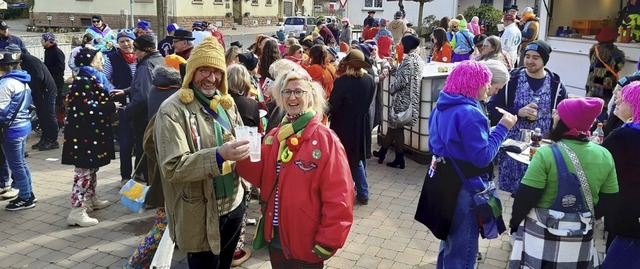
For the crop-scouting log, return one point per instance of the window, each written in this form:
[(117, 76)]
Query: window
[(254, 2), (217, 2), (144, 1), (198, 2), (269, 2), (372, 4)]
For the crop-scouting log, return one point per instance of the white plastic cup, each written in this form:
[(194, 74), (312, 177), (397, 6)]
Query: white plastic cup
[(251, 134)]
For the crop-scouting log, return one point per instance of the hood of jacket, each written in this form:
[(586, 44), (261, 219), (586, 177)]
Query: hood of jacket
[(19, 75), (164, 77), (447, 100)]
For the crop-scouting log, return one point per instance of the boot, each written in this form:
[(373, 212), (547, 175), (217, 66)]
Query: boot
[(78, 216), (380, 154), (398, 162), (94, 203)]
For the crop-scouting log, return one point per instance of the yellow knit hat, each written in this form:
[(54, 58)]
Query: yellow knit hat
[(208, 53)]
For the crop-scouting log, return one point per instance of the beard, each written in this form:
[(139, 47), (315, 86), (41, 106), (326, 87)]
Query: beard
[(535, 69)]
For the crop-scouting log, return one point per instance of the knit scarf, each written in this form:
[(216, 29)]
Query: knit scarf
[(128, 57), (291, 131), (223, 184)]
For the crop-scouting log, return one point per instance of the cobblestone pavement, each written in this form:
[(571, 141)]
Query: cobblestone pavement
[(384, 234)]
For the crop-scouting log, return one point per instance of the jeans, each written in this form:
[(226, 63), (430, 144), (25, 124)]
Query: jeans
[(46, 111), (230, 225), (5, 176), (360, 178), (623, 253), (125, 141), (13, 150), (460, 250)]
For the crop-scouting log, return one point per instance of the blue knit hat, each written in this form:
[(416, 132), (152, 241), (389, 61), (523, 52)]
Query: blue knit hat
[(126, 33), (49, 37), (365, 48), (144, 25), (172, 27)]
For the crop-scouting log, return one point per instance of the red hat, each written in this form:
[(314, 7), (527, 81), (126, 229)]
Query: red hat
[(607, 34), (579, 113)]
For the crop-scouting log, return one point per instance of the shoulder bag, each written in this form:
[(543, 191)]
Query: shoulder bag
[(5, 125), (402, 118)]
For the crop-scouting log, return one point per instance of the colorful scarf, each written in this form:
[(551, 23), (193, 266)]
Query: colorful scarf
[(223, 184), (291, 132), (128, 57)]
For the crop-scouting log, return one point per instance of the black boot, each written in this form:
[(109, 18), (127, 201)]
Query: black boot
[(380, 154), (398, 162)]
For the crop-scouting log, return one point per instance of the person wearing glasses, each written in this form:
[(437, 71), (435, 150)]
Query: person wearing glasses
[(492, 50), (183, 43), (307, 191), (196, 155), (104, 38)]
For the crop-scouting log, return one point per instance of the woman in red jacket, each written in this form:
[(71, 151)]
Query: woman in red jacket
[(307, 189)]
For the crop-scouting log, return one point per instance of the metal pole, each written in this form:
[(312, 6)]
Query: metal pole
[(131, 7)]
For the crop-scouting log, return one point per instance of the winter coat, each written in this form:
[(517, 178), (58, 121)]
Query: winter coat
[(166, 81), (103, 40), (12, 39), (406, 88), (384, 46), (41, 80), (506, 96), (345, 35), (316, 210), (529, 32), (88, 136), (142, 83), (600, 81), (442, 54), (13, 89), (349, 109), (462, 42), (54, 60), (473, 26), (397, 28), (187, 173), (165, 46)]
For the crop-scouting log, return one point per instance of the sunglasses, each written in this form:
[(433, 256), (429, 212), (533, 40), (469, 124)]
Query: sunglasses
[(95, 21)]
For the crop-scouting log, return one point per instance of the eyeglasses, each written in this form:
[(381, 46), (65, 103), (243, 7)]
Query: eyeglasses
[(207, 73), (95, 21), (486, 45), (296, 93)]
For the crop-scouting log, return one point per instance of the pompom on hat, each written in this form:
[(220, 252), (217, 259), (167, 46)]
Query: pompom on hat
[(174, 61), (579, 114), (209, 53)]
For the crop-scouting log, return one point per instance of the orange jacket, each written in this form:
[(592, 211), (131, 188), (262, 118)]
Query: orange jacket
[(323, 75), (442, 55)]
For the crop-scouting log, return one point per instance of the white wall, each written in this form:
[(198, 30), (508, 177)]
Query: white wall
[(356, 12), (94, 7)]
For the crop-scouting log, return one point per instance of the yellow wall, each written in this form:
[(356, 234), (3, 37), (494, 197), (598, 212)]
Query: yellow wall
[(565, 11), (207, 8), (94, 7), (261, 9)]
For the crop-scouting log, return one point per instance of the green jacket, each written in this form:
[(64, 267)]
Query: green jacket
[(187, 174)]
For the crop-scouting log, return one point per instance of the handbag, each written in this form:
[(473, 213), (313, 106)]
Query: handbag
[(133, 193), (487, 204), (258, 237), (404, 117), (5, 125)]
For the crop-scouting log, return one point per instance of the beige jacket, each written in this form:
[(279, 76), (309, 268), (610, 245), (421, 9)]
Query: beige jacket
[(187, 174)]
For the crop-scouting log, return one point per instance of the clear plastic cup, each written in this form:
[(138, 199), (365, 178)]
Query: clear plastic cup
[(251, 134)]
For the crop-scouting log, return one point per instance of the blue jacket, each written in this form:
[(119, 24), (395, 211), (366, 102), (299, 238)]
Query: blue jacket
[(459, 129), (13, 88), (100, 77)]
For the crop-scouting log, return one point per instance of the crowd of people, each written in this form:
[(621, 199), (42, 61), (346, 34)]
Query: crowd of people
[(315, 101)]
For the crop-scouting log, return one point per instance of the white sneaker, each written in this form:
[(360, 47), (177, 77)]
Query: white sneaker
[(78, 216), (94, 203), (8, 193)]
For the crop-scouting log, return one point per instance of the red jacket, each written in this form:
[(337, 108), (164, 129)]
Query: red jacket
[(315, 191)]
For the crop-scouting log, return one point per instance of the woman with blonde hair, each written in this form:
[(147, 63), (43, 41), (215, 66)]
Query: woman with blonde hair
[(492, 50), (231, 55), (295, 53), (349, 103), (307, 190)]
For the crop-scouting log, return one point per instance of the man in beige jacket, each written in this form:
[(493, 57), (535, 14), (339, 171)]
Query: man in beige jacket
[(196, 153)]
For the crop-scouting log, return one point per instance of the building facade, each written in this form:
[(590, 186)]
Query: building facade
[(117, 13)]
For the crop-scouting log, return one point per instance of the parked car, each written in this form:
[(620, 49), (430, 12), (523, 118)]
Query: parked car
[(299, 24)]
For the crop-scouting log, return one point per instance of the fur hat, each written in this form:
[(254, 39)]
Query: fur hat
[(208, 53), (579, 113), (459, 81)]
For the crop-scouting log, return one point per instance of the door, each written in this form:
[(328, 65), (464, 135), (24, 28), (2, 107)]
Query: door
[(237, 11), (287, 9)]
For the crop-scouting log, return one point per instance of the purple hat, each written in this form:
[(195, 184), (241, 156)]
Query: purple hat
[(144, 25), (579, 113), (49, 37), (172, 27), (365, 48)]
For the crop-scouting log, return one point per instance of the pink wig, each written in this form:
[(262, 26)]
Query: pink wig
[(631, 95), (467, 78)]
